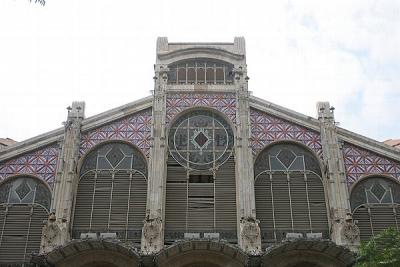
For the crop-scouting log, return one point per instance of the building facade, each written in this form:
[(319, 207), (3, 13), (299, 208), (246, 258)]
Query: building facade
[(201, 173)]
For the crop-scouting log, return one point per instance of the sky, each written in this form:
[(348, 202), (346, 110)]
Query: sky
[(102, 52)]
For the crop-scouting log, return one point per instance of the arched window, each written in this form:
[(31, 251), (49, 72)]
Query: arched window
[(111, 195), (200, 71), (289, 193), (375, 203), (24, 205), (200, 195)]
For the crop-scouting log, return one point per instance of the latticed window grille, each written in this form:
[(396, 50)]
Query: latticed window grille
[(111, 195), (200, 71), (24, 205), (289, 193), (375, 203), (200, 194)]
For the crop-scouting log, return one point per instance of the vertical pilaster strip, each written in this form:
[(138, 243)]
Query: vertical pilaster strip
[(249, 237), (66, 181), (337, 189), (153, 230)]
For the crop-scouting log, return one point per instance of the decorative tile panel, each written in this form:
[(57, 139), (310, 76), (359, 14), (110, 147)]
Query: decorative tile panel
[(41, 163), (266, 129), (223, 102), (135, 129), (360, 162)]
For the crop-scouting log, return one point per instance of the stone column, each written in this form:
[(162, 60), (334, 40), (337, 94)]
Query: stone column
[(343, 231), (249, 238), (153, 229), (56, 231)]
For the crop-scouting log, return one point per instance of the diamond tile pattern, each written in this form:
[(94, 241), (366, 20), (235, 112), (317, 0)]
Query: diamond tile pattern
[(22, 190), (41, 163), (359, 162)]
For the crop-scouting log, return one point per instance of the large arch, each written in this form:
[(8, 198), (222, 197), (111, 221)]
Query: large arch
[(290, 192), (90, 253), (200, 188), (24, 205), (111, 193), (375, 204), (201, 253), (308, 253)]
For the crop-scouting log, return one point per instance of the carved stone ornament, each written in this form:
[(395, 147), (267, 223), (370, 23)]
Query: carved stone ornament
[(152, 229), (349, 230), (250, 233), (51, 234)]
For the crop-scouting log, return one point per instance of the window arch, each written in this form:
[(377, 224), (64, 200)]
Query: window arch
[(200, 189), (24, 205), (111, 194), (375, 202), (289, 192)]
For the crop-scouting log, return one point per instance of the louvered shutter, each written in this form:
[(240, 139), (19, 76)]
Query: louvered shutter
[(264, 206), (316, 195), (298, 193)]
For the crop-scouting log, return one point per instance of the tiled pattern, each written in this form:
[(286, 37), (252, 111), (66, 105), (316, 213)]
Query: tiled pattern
[(41, 163), (266, 129), (135, 129), (360, 162), (223, 102)]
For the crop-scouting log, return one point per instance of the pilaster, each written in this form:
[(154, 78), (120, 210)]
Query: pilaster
[(249, 237), (56, 231), (343, 230), (153, 229)]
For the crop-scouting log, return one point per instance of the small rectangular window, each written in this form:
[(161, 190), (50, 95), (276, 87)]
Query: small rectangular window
[(201, 178)]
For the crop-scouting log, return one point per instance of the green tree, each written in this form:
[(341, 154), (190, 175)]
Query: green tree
[(381, 250)]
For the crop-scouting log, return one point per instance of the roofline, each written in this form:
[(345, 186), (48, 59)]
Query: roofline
[(312, 123), (57, 135)]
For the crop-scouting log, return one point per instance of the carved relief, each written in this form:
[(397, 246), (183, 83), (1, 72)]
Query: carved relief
[(151, 235), (350, 230), (52, 234), (250, 235)]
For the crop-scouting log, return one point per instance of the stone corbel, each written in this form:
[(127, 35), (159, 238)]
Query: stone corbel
[(152, 241), (53, 234), (250, 235)]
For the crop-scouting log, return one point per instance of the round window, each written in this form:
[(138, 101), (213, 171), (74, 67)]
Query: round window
[(201, 140)]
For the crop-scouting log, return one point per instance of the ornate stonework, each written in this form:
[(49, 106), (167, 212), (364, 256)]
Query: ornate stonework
[(223, 102), (250, 235), (266, 129), (52, 234), (41, 163), (135, 129), (152, 230), (360, 162)]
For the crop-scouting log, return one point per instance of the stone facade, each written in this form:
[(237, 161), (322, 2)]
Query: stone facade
[(216, 82)]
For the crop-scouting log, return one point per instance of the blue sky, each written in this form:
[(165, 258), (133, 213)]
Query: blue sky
[(102, 52)]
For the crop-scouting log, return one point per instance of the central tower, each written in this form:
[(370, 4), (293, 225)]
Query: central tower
[(201, 179)]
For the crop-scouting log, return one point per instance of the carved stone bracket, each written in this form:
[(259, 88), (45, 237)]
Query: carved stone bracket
[(53, 234), (152, 236), (348, 233), (250, 235)]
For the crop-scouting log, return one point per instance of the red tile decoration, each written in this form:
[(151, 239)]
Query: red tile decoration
[(135, 128), (360, 162), (41, 163), (266, 129), (223, 102)]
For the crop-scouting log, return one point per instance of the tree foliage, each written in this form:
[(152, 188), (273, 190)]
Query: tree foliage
[(382, 249), (42, 2)]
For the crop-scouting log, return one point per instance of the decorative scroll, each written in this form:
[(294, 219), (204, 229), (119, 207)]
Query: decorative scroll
[(41, 163), (266, 129), (223, 102), (360, 162), (135, 129)]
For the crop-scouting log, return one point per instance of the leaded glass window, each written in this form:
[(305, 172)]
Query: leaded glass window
[(112, 190), (376, 205), (201, 140), (289, 193), (200, 71), (24, 205)]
